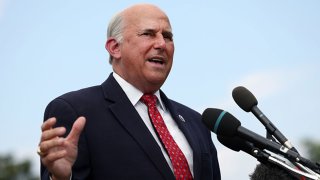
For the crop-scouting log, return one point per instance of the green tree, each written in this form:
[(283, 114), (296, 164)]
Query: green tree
[(313, 149), (12, 170)]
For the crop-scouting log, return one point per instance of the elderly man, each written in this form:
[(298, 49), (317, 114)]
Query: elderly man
[(127, 128)]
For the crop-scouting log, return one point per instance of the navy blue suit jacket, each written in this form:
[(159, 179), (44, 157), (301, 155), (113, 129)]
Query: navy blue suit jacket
[(116, 144)]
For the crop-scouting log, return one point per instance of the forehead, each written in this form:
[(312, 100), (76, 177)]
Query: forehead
[(146, 18)]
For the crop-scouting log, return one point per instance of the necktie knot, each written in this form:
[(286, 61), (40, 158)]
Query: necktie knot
[(149, 99)]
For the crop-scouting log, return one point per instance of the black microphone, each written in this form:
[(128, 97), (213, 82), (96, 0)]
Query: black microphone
[(238, 144), (248, 102), (270, 171), (235, 143), (224, 124)]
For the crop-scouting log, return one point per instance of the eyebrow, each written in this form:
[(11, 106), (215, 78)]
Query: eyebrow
[(168, 33), (165, 32)]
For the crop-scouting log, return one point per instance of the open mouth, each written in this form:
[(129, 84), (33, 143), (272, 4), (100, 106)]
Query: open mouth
[(155, 60)]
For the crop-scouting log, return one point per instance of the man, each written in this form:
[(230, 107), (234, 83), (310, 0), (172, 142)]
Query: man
[(107, 130)]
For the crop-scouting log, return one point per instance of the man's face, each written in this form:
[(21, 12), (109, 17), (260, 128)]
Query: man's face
[(147, 49)]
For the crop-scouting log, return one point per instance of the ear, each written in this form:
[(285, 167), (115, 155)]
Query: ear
[(113, 47)]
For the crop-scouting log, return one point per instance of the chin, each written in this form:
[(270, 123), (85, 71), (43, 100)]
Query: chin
[(158, 81), (153, 85)]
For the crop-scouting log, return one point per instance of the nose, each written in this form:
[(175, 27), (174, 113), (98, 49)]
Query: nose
[(160, 42)]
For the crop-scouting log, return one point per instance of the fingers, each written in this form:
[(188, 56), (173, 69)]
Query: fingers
[(45, 146), (56, 155), (48, 124), (49, 132), (50, 136), (52, 145), (76, 130), (52, 133)]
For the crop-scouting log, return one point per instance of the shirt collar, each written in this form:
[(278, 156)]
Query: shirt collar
[(132, 92)]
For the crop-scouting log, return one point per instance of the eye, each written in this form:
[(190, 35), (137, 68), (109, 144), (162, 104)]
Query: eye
[(168, 35), (147, 33)]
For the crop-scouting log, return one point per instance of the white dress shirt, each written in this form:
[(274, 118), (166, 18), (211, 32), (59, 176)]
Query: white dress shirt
[(134, 96)]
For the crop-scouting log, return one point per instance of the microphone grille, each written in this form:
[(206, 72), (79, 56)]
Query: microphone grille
[(244, 98), (210, 117), (220, 122)]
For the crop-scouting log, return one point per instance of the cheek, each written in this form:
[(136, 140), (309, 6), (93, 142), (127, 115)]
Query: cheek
[(170, 49), (139, 51)]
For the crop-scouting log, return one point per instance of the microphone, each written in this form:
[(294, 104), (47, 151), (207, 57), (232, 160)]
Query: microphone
[(248, 102), (270, 171), (224, 124), (236, 144)]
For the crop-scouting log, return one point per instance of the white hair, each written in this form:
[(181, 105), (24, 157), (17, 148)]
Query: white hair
[(115, 28)]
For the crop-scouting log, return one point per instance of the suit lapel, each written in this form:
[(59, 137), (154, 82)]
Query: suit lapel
[(185, 126), (126, 114)]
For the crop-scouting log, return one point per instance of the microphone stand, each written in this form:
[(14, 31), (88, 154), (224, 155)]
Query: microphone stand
[(264, 157), (300, 166)]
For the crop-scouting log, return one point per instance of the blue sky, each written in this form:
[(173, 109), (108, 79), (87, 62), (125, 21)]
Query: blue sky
[(271, 47)]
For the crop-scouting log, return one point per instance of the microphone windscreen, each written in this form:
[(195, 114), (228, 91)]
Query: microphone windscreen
[(236, 143), (220, 122), (244, 98), (271, 171)]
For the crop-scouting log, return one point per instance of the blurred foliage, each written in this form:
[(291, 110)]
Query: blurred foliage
[(313, 149), (10, 169)]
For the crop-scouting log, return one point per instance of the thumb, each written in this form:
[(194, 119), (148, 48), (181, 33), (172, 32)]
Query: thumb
[(76, 130)]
